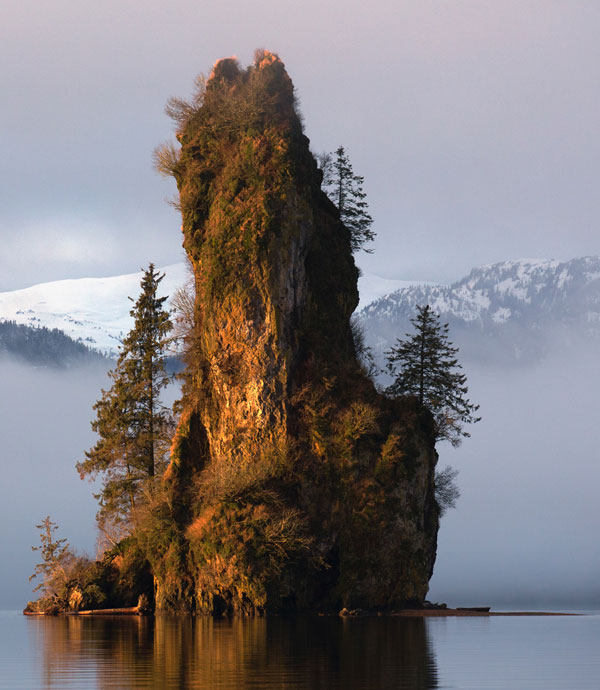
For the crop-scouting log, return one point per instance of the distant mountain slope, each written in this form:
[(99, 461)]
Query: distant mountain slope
[(510, 311), (94, 311), (45, 347), (372, 287)]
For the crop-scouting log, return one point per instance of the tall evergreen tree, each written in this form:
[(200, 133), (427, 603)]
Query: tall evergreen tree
[(424, 365), (345, 189), (133, 425)]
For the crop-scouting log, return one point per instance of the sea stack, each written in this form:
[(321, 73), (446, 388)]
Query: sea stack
[(294, 484)]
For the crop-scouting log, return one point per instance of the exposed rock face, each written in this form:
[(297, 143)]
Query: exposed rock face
[(294, 483)]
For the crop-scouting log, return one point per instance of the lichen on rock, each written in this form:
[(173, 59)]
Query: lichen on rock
[(293, 483)]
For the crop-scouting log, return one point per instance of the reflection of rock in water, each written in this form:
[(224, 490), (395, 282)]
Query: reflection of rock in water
[(184, 652), (117, 651)]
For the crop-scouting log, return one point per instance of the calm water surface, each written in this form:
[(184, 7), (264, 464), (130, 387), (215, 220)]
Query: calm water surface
[(329, 653)]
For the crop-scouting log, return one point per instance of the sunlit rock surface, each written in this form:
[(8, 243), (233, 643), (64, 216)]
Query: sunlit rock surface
[(295, 485)]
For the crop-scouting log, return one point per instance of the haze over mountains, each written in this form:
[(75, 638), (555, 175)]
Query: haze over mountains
[(524, 528), (95, 311), (510, 312)]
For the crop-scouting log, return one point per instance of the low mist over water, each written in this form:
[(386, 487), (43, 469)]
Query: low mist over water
[(44, 430), (45, 417), (524, 532), (525, 529)]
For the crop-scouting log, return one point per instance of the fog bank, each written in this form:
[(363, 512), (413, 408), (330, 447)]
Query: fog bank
[(525, 529), (524, 532), (44, 430)]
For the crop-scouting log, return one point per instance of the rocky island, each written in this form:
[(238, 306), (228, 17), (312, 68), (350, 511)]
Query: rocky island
[(297, 484), (293, 484)]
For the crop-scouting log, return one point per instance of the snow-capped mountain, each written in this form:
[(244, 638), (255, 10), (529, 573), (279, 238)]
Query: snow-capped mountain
[(513, 310), (506, 311), (94, 311), (372, 287)]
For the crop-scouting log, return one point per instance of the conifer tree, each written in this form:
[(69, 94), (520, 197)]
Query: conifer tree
[(344, 188), (424, 365), (133, 425), (55, 553)]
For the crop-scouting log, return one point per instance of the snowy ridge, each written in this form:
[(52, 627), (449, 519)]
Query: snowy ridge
[(94, 311), (511, 307), (507, 310), (372, 287)]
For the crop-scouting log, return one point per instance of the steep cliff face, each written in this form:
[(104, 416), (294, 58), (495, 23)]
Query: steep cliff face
[(293, 482)]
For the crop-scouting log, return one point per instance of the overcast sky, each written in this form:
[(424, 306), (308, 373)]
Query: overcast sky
[(474, 123)]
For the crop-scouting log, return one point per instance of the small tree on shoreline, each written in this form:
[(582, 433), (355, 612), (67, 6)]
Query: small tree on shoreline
[(55, 554)]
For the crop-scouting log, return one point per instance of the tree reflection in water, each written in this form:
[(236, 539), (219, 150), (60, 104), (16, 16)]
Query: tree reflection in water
[(183, 653)]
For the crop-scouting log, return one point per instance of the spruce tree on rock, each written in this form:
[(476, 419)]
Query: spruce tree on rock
[(133, 425), (344, 188), (424, 365)]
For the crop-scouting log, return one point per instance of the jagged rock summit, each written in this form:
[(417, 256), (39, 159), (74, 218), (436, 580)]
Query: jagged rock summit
[(293, 483)]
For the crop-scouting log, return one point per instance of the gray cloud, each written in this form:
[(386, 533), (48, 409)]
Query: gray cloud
[(474, 124)]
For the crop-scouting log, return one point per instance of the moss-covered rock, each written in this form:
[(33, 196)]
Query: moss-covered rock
[(292, 483)]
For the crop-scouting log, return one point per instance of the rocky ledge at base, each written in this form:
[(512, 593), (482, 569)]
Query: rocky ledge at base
[(441, 611), (129, 611), (462, 612)]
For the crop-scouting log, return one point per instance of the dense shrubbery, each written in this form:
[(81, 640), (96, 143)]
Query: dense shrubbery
[(71, 582)]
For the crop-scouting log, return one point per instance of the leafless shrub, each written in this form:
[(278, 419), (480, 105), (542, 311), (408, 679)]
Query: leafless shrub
[(447, 492), (166, 158), (363, 352), (181, 110), (183, 305)]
